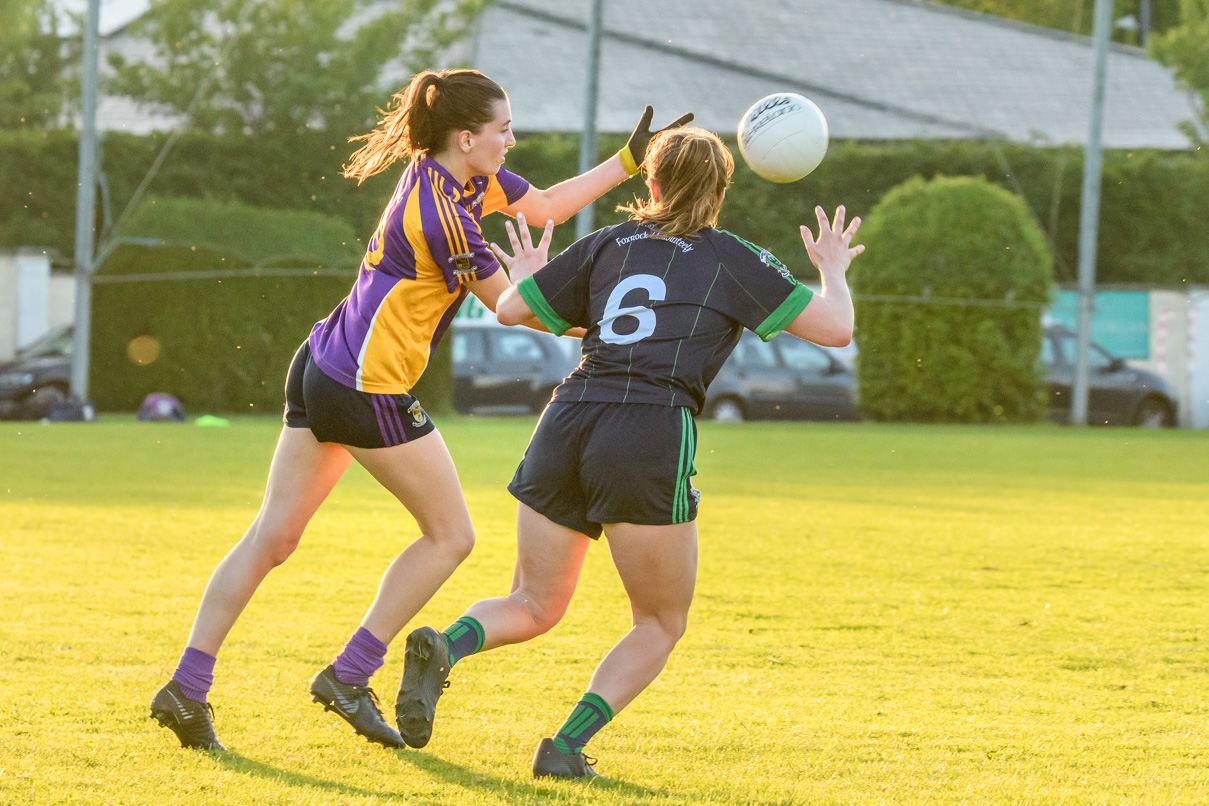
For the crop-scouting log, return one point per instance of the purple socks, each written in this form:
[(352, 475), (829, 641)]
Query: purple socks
[(362, 656), (195, 673)]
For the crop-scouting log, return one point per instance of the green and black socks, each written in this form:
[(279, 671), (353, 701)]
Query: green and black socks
[(591, 714), (464, 637)]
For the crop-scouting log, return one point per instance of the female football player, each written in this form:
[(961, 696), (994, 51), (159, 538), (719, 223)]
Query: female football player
[(347, 391), (664, 298)]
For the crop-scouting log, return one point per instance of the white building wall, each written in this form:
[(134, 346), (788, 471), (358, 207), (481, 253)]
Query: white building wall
[(1198, 359), (8, 304)]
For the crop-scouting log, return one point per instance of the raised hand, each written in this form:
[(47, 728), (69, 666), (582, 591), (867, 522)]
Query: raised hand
[(525, 258), (635, 149), (831, 250)]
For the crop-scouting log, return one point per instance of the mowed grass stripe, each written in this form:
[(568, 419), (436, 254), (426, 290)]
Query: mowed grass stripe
[(883, 614)]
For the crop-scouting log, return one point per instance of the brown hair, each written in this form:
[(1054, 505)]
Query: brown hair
[(422, 116), (692, 167)]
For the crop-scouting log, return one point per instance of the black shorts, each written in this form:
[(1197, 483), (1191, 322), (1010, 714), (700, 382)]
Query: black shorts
[(594, 463), (337, 413)]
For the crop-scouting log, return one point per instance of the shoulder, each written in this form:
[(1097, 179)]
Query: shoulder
[(739, 248)]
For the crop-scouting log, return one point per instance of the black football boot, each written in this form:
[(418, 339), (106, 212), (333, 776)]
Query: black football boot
[(190, 720), (425, 672), (356, 705), (550, 762)]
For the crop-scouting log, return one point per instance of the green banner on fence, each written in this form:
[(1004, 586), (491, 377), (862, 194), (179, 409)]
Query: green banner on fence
[(1120, 321)]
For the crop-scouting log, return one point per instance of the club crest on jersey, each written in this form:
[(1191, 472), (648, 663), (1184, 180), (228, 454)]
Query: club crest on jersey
[(770, 260), (417, 413), (462, 268)]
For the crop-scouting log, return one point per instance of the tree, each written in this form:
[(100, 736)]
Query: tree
[(948, 297), (1186, 48), (281, 66), (35, 76)]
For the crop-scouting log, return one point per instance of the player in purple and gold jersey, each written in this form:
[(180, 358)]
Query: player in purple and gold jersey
[(348, 388), (664, 298)]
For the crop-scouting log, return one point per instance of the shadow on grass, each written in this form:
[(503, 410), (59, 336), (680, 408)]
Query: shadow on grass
[(455, 774), (242, 764)]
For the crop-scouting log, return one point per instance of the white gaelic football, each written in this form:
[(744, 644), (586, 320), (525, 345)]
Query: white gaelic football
[(783, 137)]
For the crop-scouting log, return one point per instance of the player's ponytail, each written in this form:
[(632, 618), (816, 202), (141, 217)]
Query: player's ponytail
[(692, 168), (423, 115)]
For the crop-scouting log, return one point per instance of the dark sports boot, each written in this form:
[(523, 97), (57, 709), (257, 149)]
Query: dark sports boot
[(356, 705), (425, 669), (550, 762), (190, 720)]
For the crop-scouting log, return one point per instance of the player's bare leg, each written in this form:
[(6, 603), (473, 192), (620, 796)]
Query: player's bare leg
[(422, 476), (549, 559), (301, 476), (658, 567)]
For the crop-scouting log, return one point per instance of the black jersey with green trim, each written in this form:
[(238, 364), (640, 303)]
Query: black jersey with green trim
[(662, 314)]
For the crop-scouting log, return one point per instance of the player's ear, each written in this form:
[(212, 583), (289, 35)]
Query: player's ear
[(655, 194), (722, 196), (465, 140)]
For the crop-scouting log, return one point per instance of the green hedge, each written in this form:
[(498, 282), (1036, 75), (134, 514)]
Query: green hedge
[(954, 241), (224, 343), (224, 335), (1152, 227)]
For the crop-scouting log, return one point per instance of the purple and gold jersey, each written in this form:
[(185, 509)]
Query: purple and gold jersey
[(413, 278)]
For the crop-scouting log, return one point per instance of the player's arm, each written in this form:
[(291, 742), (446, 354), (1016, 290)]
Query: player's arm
[(828, 318), (561, 201), (499, 294)]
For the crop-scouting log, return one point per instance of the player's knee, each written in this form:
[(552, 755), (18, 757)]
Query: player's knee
[(672, 625), (545, 614), (275, 541), (458, 540)]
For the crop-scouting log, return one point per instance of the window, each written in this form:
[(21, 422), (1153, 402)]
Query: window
[(468, 347), (802, 355), (752, 352), (518, 346)]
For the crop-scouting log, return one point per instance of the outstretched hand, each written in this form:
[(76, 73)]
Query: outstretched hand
[(831, 251), (635, 148), (525, 258)]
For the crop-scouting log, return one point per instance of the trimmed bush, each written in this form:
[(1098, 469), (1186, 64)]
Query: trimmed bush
[(973, 250)]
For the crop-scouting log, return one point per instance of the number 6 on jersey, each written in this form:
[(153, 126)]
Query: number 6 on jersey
[(656, 291)]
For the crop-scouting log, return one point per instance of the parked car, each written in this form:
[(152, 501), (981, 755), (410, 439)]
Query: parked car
[(507, 370), (37, 378), (1117, 393), (786, 378)]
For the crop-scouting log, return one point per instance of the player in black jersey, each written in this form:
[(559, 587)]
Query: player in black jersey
[(664, 298)]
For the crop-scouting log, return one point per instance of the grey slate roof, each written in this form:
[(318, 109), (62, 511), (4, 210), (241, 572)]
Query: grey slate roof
[(879, 69)]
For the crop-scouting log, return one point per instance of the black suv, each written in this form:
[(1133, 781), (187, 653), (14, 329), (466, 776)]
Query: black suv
[(37, 378), (507, 370), (785, 379), (1117, 394)]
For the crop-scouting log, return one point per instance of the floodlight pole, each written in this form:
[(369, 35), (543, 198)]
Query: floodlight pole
[(1089, 214), (587, 140), (86, 197)]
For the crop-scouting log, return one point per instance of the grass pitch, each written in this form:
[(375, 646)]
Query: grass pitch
[(884, 614)]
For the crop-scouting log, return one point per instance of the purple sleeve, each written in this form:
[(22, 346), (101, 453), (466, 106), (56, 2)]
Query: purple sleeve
[(456, 244), (503, 190)]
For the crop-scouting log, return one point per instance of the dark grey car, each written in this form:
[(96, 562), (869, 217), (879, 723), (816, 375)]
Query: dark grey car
[(38, 377), (785, 379), (1117, 393), (506, 370)]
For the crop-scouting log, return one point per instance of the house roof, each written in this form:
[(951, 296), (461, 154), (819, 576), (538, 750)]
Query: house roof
[(879, 69)]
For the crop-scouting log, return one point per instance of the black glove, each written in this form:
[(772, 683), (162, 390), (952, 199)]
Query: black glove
[(635, 149)]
